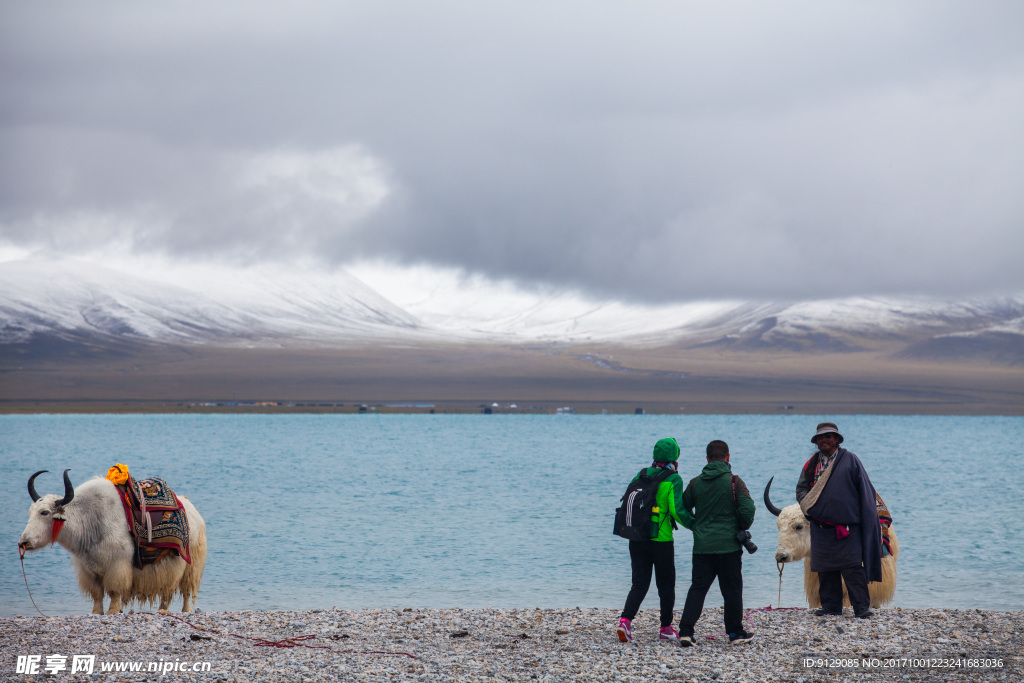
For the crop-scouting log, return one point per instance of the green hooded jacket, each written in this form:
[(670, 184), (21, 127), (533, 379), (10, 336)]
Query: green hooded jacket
[(668, 503), (716, 521)]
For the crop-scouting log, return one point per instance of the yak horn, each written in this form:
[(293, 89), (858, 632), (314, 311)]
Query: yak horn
[(69, 491), (768, 501), (32, 485)]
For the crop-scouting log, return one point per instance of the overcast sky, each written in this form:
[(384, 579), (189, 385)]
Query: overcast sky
[(640, 150)]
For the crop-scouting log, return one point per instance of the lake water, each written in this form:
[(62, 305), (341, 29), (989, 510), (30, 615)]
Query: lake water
[(360, 511)]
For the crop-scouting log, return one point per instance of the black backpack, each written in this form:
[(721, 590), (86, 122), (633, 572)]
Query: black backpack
[(635, 518)]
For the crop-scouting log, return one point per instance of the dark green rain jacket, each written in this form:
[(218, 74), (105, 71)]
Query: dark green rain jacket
[(716, 521)]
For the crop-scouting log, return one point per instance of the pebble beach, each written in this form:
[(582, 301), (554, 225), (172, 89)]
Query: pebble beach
[(514, 645)]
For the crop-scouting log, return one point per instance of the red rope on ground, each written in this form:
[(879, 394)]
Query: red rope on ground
[(746, 617), (285, 642), (769, 608)]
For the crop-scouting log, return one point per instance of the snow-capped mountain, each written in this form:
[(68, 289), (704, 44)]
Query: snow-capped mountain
[(266, 306), (69, 297)]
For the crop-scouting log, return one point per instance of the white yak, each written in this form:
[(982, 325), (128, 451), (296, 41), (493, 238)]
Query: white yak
[(95, 532), (795, 544)]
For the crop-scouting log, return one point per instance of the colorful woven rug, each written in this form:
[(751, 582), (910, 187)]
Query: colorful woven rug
[(167, 519), (885, 520)]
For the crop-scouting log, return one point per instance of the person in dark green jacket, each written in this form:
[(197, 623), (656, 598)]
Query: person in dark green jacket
[(659, 552), (717, 519)]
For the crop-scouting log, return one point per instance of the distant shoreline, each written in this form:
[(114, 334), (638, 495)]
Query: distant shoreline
[(474, 379), (448, 407), (530, 644)]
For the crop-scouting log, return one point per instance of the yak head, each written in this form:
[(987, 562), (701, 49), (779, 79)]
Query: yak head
[(794, 530), (45, 515)]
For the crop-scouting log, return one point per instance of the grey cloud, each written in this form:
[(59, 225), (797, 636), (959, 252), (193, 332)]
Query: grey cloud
[(641, 150)]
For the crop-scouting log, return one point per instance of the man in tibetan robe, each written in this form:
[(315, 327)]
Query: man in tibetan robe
[(837, 496)]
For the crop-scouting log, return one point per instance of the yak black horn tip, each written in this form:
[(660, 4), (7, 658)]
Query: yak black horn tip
[(69, 490), (32, 485), (768, 502)]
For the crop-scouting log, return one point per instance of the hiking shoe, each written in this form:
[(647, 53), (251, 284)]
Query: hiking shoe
[(741, 637), (687, 641), (625, 630), (668, 633), (828, 613), (866, 614)]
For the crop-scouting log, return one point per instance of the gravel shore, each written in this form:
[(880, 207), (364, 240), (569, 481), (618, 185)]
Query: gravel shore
[(517, 645)]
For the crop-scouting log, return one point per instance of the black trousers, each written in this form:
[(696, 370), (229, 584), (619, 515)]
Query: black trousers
[(728, 567), (830, 589), (661, 557)]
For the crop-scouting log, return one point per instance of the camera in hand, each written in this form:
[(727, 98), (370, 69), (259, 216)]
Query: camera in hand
[(744, 538)]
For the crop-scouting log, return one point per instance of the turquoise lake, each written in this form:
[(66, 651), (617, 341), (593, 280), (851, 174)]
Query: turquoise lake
[(362, 511)]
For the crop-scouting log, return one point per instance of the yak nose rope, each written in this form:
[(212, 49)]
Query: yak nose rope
[(21, 554), (781, 566)]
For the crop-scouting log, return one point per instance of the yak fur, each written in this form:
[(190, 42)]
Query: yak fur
[(795, 544), (96, 535)]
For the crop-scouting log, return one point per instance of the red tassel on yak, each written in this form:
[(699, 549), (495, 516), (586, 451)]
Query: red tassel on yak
[(58, 524)]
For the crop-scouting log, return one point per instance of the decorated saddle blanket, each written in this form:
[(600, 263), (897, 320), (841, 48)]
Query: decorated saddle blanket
[(156, 518), (885, 520)]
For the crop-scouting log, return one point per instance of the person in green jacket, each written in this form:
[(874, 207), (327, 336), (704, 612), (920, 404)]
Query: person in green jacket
[(659, 552), (717, 519)]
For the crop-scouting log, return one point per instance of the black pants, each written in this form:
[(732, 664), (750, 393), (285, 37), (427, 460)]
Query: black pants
[(728, 567), (661, 557), (830, 589)]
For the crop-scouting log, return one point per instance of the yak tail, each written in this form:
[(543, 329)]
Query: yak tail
[(193, 575)]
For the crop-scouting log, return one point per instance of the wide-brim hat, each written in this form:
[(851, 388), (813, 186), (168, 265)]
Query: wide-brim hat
[(826, 428)]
